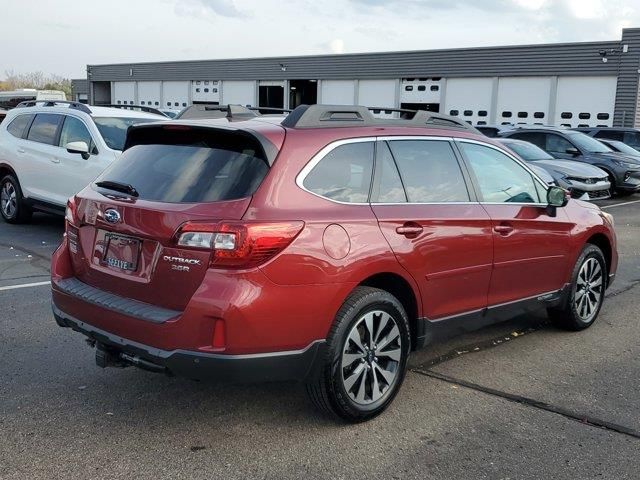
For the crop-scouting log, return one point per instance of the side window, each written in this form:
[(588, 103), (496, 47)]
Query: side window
[(610, 134), (557, 144), (18, 125), (74, 130), (44, 128), (632, 139), (430, 171), (387, 186), (500, 178), (344, 174), (537, 139)]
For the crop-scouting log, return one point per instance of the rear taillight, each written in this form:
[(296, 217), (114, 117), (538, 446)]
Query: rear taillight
[(70, 211), (239, 244)]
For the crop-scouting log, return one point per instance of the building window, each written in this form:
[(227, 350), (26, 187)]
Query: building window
[(158, 104), (566, 115), (197, 90), (468, 113), (482, 113), (198, 82), (603, 116), (584, 116), (214, 90), (482, 122), (215, 82), (454, 113), (581, 125), (206, 90), (409, 88), (523, 115), (568, 125), (422, 88), (507, 114), (184, 104), (538, 115), (434, 88), (168, 104), (119, 102), (176, 104), (206, 82)]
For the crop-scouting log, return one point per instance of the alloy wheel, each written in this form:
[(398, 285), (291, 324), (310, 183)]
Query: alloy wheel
[(589, 289), (8, 200), (371, 357)]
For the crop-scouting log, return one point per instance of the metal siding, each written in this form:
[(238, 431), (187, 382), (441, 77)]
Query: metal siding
[(627, 65), (547, 60), (79, 86)]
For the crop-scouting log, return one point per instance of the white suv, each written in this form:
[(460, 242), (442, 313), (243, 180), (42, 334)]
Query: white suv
[(50, 150)]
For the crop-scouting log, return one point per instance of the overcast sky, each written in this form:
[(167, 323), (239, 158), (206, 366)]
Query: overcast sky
[(62, 37)]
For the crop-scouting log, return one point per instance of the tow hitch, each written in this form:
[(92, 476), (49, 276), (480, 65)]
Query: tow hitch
[(110, 357)]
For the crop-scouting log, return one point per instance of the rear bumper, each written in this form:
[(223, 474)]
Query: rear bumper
[(263, 367)]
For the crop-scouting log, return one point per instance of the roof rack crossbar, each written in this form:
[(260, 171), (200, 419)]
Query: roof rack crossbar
[(231, 111), (318, 116), (52, 103), (142, 108)]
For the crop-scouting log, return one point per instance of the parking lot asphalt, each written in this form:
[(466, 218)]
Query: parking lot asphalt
[(516, 400)]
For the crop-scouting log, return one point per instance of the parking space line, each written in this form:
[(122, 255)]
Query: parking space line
[(24, 285), (620, 204)]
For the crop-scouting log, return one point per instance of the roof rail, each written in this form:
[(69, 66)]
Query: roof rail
[(142, 108), (53, 103), (327, 116), (232, 112)]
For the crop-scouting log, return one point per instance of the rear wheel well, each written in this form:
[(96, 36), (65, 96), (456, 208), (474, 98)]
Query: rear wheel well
[(402, 290), (601, 241)]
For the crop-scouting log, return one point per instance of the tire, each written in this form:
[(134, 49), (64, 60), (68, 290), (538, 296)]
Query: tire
[(12, 206), (359, 378), (589, 275)]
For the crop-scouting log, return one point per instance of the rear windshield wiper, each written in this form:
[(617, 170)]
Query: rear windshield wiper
[(118, 187)]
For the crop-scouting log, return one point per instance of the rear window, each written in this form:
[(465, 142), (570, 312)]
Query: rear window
[(114, 129), (190, 167), (44, 128), (18, 125)]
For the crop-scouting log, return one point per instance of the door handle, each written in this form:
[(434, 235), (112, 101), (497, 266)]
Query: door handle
[(21, 150), (410, 228), (503, 229), (55, 160)]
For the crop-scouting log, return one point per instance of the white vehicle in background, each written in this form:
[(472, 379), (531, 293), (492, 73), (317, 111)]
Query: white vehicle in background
[(11, 99), (50, 150)]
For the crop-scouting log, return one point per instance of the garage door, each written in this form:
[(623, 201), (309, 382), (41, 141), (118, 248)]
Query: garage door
[(205, 91), (238, 93), (378, 93), (338, 92), (523, 100), (469, 99), (585, 101), (124, 93), (149, 94), (175, 95)]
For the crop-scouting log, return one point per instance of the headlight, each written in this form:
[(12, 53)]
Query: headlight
[(608, 217)]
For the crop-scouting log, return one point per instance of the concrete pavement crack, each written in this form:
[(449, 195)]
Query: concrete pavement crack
[(571, 415)]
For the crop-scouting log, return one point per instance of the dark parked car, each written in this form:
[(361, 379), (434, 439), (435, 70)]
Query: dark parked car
[(623, 170), (620, 147), (323, 246), (493, 131), (584, 181), (630, 136)]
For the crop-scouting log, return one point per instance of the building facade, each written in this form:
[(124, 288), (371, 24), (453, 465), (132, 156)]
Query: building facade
[(573, 84)]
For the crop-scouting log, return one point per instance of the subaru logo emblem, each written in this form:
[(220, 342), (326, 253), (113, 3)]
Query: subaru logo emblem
[(111, 215)]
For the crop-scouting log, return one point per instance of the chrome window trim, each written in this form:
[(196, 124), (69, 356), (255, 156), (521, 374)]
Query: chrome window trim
[(333, 145)]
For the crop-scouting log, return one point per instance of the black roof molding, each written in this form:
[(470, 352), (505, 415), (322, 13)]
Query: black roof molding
[(141, 108), (330, 116), (232, 112)]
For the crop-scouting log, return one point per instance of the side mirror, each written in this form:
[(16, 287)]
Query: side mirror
[(556, 198), (572, 151), (78, 147)]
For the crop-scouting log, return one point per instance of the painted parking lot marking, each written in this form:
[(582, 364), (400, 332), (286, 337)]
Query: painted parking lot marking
[(24, 285), (620, 204)]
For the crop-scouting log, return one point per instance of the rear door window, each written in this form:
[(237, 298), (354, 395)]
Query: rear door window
[(44, 128), (344, 174), (190, 166), (19, 124), (430, 171), (611, 134), (558, 145)]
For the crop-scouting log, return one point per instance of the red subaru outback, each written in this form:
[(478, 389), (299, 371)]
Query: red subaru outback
[(322, 247)]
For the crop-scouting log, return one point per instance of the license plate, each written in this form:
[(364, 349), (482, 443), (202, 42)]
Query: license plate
[(121, 252)]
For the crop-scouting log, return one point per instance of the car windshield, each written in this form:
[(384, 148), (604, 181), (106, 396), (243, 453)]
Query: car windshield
[(114, 129), (624, 148), (529, 151), (587, 143)]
